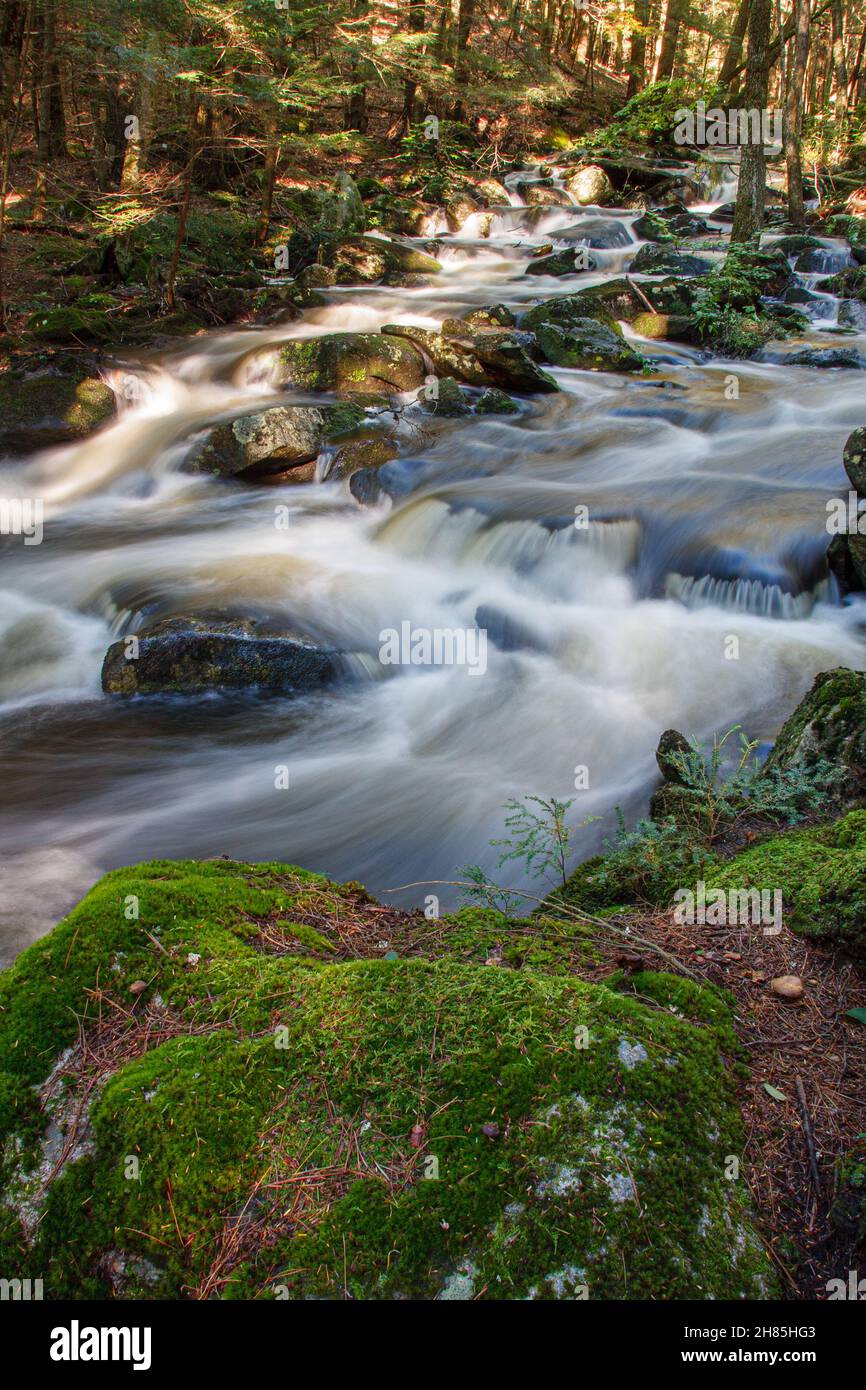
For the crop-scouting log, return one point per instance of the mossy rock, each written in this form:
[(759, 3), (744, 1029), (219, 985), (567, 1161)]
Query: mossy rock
[(821, 874), (589, 345), (352, 364), (369, 451), (186, 656), (829, 725), (375, 1129), (366, 260), (272, 441), (71, 323), (49, 408), (481, 359)]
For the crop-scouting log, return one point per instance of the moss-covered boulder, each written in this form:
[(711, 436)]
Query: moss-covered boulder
[(660, 260), (615, 299), (492, 401), (41, 409), (352, 364), (192, 655), (829, 726), (272, 441), (588, 344), (558, 263), (480, 359), (203, 1093), (372, 451), (821, 874), (365, 260)]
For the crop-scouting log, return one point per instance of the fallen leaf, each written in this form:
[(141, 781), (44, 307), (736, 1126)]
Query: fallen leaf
[(774, 1092)]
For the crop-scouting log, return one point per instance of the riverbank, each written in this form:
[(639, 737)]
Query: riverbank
[(261, 1084)]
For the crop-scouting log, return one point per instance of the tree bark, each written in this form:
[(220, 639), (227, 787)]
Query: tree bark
[(637, 49), (793, 113), (749, 213), (735, 45), (670, 35)]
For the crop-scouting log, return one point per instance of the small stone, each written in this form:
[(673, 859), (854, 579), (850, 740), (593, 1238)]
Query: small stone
[(788, 986), (138, 987)]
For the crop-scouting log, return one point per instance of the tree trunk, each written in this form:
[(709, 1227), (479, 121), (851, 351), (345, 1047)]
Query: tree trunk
[(410, 86), (840, 68), (465, 21), (637, 49), (670, 34), (749, 213), (793, 113), (52, 122), (272, 156), (735, 45)]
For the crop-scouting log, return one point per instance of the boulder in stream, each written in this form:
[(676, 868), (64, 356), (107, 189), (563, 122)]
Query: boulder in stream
[(589, 183), (659, 260), (828, 726), (272, 441), (589, 345), (481, 359), (352, 364), (365, 260), (559, 263), (199, 654), (38, 410)]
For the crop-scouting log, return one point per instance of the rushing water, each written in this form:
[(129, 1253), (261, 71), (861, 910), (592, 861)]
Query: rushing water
[(707, 521)]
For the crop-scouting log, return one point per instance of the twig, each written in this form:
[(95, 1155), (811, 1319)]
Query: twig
[(807, 1130)]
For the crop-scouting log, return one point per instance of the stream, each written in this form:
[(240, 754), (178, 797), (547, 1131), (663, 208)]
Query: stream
[(708, 520)]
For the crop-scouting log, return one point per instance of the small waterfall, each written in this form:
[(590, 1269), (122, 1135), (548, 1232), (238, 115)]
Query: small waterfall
[(741, 595)]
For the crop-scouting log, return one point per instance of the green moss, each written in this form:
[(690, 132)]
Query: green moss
[(316, 1128), (821, 874)]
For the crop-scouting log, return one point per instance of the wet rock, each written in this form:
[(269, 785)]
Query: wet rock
[(652, 325), (616, 299), (854, 460), (673, 748), (460, 208), (666, 223), (589, 183), (598, 233), (193, 655), (405, 216), (560, 263), (795, 244), (588, 344), (372, 451), (659, 260), (496, 402), (819, 357), (448, 401), (281, 438), (38, 410), (485, 359), (352, 364), (536, 195), (852, 314), (490, 316), (829, 726), (491, 192), (821, 261), (365, 260)]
